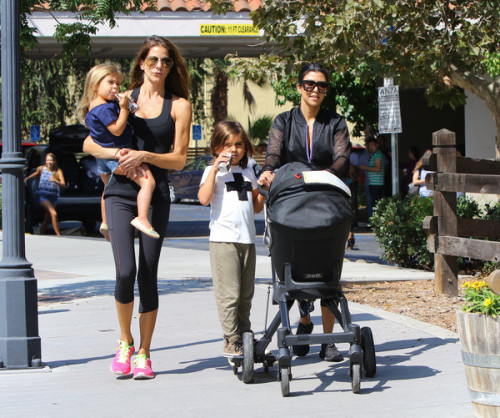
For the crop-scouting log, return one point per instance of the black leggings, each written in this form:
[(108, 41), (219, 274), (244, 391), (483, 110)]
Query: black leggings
[(119, 212)]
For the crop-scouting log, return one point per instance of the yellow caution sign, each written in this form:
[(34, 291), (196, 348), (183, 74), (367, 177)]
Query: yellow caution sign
[(228, 29)]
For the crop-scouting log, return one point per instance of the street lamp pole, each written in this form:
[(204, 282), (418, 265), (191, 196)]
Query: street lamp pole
[(20, 345)]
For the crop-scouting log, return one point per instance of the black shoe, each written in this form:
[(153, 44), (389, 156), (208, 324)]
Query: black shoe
[(302, 350), (330, 353)]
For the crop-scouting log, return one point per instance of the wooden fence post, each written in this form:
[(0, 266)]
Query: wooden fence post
[(445, 206)]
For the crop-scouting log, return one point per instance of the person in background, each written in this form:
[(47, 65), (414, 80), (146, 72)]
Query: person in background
[(49, 185), (413, 155), (354, 176), (419, 174), (375, 172), (364, 160), (386, 153)]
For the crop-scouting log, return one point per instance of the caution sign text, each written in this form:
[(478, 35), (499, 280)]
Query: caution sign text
[(228, 29)]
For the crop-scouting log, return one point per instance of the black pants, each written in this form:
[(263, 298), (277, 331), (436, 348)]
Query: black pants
[(119, 212), (377, 193)]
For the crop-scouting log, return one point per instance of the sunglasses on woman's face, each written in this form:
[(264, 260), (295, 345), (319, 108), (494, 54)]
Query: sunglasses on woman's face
[(310, 85), (152, 61)]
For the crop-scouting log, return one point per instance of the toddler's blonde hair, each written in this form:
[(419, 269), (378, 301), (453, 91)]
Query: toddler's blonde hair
[(94, 77)]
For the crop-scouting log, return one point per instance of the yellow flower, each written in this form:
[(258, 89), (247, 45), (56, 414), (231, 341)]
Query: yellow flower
[(487, 302), (466, 284)]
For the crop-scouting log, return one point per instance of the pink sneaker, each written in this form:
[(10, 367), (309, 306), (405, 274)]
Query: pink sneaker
[(121, 362), (142, 369)]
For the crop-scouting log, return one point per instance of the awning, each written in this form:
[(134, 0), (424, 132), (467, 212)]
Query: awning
[(198, 34)]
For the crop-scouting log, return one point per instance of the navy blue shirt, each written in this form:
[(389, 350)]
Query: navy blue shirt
[(99, 118), (154, 135)]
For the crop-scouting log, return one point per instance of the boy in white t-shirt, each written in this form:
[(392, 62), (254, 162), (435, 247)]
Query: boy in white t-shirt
[(233, 198)]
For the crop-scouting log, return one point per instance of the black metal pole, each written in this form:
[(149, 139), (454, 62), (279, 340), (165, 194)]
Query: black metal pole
[(20, 345)]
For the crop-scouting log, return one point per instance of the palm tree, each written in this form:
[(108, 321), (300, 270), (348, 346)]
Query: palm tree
[(219, 92)]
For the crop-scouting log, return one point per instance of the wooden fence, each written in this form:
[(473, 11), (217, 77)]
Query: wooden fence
[(451, 237)]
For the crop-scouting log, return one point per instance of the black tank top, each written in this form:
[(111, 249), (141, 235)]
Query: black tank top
[(153, 135)]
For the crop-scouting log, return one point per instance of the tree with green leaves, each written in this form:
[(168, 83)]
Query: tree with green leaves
[(52, 87), (75, 37), (444, 47), (356, 101), (47, 110)]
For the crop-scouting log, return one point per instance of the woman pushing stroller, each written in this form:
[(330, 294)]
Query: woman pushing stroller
[(320, 139)]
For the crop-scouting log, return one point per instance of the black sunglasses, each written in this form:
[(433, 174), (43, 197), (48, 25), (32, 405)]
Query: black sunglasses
[(166, 62), (310, 85)]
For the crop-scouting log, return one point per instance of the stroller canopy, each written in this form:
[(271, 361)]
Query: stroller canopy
[(304, 198)]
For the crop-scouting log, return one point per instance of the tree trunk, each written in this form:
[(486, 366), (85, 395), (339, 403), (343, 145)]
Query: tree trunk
[(497, 120), (483, 87), (219, 96)]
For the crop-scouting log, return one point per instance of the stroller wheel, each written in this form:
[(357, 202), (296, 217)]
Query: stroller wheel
[(369, 359), (234, 362), (248, 357), (285, 375), (355, 373)]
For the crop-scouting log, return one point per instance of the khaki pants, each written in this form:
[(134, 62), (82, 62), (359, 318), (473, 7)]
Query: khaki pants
[(233, 275)]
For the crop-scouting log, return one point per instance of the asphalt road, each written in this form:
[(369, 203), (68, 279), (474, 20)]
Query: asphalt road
[(188, 228)]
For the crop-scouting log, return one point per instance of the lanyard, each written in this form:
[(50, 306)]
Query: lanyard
[(309, 150)]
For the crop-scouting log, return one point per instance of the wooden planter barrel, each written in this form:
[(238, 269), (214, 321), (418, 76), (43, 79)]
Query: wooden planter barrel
[(480, 344)]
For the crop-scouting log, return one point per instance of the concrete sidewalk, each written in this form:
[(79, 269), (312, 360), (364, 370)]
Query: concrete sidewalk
[(419, 369)]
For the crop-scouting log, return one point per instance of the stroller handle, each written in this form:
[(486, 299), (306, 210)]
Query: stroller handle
[(262, 191)]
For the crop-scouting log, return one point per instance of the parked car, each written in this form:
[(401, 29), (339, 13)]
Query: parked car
[(25, 147), (185, 183), (81, 200)]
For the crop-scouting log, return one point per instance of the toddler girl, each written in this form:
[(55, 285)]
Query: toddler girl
[(107, 121)]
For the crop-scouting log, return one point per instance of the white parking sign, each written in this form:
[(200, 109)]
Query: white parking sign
[(389, 114)]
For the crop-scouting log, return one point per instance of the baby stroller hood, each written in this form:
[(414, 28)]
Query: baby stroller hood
[(303, 198)]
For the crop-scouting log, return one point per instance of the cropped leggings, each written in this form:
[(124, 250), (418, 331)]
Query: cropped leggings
[(119, 212)]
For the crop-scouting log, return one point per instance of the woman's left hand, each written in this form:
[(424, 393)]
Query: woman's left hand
[(130, 159), (265, 179)]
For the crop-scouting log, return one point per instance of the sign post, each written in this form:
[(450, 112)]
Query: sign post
[(389, 122)]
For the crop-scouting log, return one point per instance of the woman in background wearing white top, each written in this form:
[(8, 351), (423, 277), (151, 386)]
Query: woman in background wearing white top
[(419, 176)]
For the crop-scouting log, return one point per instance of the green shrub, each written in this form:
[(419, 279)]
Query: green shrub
[(259, 129), (492, 211), (397, 224), (467, 208)]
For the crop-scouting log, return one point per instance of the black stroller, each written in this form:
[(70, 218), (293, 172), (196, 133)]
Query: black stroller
[(308, 218)]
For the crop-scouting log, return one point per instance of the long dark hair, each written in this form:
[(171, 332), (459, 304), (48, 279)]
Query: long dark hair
[(177, 81), (313, 66), (227, 129)]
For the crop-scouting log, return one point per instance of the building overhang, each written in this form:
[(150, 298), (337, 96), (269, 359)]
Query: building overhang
[(185, 29)]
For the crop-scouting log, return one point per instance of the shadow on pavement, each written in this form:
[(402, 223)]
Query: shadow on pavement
[(79, 290)]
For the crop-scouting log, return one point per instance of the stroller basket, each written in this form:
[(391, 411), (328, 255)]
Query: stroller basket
[(309, 262)]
